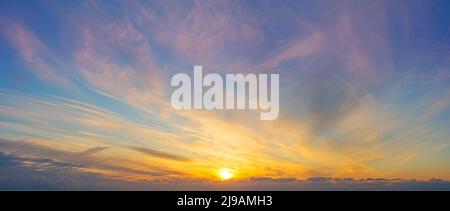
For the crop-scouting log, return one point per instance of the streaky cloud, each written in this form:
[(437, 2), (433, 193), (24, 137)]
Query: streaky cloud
[(159, 154)]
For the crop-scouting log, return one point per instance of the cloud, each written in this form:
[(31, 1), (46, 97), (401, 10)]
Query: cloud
[(25, 173), (37, 56), (296, 49), (362, 46), (345, 111), (85, 164), (92, 151), (328, 183), (159, 154), (96, 59), (189, 34)]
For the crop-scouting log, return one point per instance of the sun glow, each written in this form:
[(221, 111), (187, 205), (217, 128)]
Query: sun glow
[(225, 174)]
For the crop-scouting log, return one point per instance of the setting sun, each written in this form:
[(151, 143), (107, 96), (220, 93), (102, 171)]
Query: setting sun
[(225, 174)]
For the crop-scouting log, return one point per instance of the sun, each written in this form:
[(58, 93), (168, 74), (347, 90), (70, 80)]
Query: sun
[(225, 173)]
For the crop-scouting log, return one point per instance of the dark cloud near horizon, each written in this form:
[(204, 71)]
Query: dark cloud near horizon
[(23, 149), (24, 173), (329, 183)]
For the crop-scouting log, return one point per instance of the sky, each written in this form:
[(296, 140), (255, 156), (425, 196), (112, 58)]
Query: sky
[(85, 95)]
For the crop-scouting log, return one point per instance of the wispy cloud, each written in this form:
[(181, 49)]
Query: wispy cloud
[(190, 34), (92, 151), (159, 154), (36, 55), (296, 49)]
